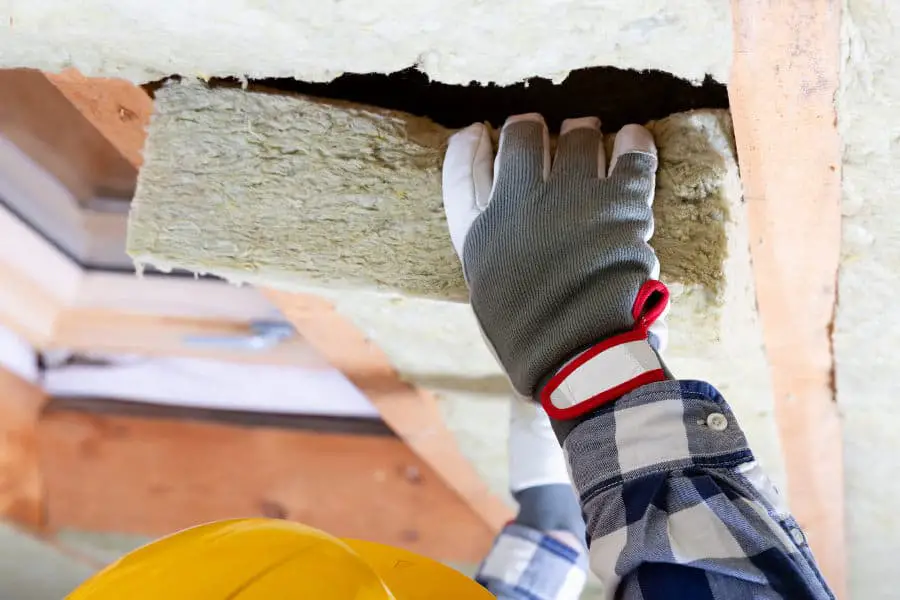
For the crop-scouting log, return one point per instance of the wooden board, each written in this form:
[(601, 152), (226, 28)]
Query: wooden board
[(112, 331), (783, 84), (145, 475), (411, 412), (36, 280), (41, 121), (47, 299), (118, 109), (21, 488), (153, 315)]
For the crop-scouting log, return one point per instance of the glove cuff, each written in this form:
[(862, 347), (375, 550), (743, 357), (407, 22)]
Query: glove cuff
[(601, 374), (612, 368)]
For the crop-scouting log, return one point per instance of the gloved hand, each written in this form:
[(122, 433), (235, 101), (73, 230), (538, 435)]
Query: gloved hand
[(561, 278)]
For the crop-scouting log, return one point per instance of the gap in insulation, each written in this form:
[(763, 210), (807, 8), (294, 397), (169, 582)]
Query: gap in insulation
[(617, 96)]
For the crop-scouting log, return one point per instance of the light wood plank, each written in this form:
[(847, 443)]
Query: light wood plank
[(115, 331), (46, 298), (118, 312), (36, 281), (40, 120), (182, 297), (118, 109), (783, 83), (21, 484), (411, 412), (155, 475)]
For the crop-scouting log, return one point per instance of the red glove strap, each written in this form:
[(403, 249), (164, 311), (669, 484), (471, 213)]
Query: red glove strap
[(612, 368)]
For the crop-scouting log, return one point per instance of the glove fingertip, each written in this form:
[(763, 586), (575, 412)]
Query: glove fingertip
[(466, 180), (632, 139)]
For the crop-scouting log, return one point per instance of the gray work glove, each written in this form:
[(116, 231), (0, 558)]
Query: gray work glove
[(561, 278)]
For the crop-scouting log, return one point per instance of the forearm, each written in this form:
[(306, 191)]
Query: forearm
[(527, 564), (676, 504)]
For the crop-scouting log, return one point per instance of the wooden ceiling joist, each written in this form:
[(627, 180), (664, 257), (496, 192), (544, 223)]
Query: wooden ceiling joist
[(784, 81), (153, 475), (21, 480)]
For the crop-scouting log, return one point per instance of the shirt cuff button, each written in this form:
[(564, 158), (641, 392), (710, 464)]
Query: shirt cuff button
[(717, 422)]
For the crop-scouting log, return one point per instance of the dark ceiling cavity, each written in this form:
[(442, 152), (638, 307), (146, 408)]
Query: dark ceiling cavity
[(617, 96)]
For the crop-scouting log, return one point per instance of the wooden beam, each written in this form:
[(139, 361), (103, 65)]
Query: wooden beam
[(47, 299), (26, 309), (128, 406), (154, 316), (36, 281), (784, 80), (40, 119), (128, 332), (118, 109), (66, 173), (181, 297), (21, 486), (129, 474), (411, 412)]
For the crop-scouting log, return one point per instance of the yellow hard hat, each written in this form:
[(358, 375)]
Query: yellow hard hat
[(269, 559)]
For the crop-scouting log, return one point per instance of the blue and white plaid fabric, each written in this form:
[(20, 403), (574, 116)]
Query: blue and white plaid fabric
[(525, 563), (676, 507)]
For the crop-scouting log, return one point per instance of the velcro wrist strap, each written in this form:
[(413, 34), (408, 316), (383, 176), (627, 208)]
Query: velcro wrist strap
[(612, 368), (601, 374)]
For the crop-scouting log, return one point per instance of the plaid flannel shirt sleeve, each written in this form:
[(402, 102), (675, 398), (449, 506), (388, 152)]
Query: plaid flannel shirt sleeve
[(528, 564), (676, 507)]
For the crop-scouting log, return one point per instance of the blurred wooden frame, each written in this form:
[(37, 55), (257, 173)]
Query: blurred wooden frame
[(50, 300), (151, 470), (68, 469), (66, 142), (785, 77)]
